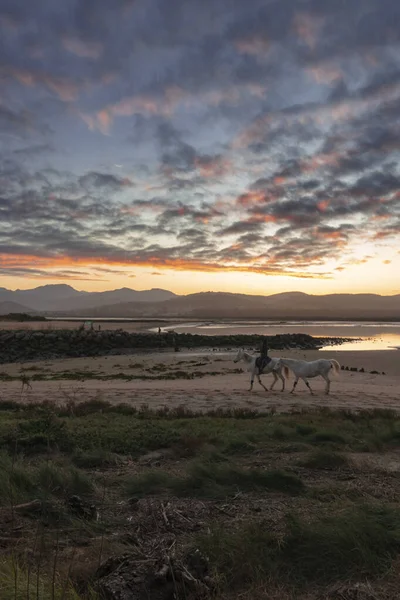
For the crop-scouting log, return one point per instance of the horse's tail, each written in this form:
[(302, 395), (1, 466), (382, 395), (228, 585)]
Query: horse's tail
[(335, 365)]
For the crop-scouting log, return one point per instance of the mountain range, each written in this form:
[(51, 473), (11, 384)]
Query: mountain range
[(64, 300)]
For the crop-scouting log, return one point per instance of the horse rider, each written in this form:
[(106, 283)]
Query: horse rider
[(263, 359)]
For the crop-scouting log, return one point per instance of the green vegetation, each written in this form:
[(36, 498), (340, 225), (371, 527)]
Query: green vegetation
[(22, 482), (359, 542), (323, 459), (124, 429), (203, 480), (84, 375), (271, 499), (20, 583)]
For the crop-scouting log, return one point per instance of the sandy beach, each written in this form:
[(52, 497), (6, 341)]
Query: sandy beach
[(159, 379)]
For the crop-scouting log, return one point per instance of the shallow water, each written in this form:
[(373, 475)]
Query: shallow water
[(378, 342), (367, 335)]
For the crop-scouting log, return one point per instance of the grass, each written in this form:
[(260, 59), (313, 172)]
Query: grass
[(86, 374), (214, 481), (21, 482), (322, 459), (123, 429), (94, 459), (359, 542), (18, 583), (16, 482), (50, 453)]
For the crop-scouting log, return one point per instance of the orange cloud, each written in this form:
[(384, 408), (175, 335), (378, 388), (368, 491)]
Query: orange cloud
[(379, 217), (83, 49), (323, 205), (213, 166), (386, 233), (269, 267), (251, 198)]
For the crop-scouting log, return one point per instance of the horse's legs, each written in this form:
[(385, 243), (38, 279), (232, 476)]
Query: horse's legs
[(251, 381), (275, 380), (309, 386), (261, 383), (328, 383), (283, 382), (294, 385)]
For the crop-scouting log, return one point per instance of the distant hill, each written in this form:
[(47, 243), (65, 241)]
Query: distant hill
[(12, 307), (62, 298), (285, 306)]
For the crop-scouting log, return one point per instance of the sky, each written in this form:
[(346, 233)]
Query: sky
[(222, 145)]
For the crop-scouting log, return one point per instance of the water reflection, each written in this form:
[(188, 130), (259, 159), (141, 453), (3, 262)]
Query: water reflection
[(378, 342)]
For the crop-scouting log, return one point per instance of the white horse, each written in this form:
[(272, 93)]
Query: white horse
[(271, 367), (305, 370)]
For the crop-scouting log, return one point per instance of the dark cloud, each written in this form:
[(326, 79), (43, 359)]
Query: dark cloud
[(222, 134), (104, 180), (45, 274), (33, 151)]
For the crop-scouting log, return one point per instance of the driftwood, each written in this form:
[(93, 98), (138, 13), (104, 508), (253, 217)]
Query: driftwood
[(27, 507)]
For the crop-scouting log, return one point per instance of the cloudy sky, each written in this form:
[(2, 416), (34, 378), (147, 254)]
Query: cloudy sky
[(238, 145)]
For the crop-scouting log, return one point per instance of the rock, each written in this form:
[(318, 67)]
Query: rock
[(21, 346)]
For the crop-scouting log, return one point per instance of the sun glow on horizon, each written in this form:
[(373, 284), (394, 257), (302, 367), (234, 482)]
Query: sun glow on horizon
[(373, 275)]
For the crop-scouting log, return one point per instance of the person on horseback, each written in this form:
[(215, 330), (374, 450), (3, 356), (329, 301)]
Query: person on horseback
[(263, 359)]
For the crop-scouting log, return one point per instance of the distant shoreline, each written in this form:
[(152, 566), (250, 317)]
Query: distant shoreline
[(177, 319)]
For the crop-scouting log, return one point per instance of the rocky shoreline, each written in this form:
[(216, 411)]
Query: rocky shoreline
[(24, 345)]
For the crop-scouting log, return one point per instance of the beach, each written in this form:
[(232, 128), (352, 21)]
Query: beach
[(203, 381)]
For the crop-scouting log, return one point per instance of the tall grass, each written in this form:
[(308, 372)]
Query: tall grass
[(210, 480), (18, 583), (21, 481), (359, 542)]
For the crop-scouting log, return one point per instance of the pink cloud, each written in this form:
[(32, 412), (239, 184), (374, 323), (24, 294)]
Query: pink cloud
[(82, 48), (65, 89), (256, 45)]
